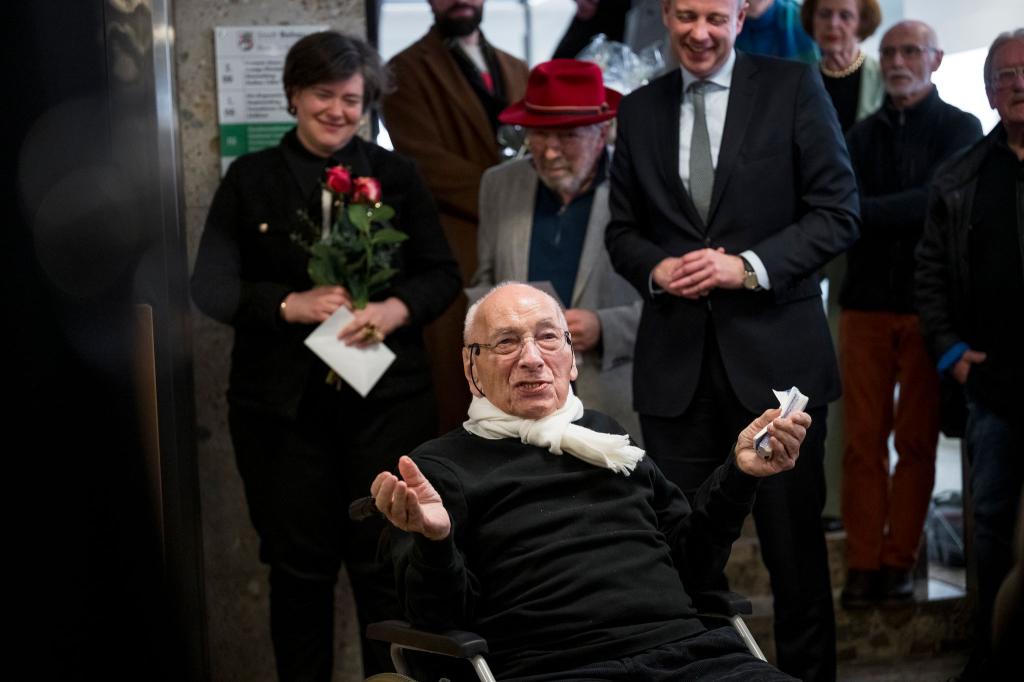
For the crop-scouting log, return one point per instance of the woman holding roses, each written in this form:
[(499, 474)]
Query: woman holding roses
[(305, 449)]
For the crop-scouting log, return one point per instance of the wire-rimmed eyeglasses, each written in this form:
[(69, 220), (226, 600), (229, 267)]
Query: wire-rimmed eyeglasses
[(908, 52), (550, 341), (1004, 78)]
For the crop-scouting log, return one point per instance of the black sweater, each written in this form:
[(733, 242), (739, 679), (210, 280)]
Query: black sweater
[(894, 155), (558, 563)]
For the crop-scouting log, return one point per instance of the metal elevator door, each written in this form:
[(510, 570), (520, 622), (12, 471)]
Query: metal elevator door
[(100, 445)]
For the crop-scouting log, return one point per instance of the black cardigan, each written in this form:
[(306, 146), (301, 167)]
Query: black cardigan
[(247, 263), (558, 563)]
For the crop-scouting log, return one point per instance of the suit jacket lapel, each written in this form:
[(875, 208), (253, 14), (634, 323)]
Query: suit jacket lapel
[(521, 197), (667, 150), (593, 242), (740, 110), (447, 75)]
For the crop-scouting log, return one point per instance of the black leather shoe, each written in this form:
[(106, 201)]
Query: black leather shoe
[(897, 584), (862, 590)]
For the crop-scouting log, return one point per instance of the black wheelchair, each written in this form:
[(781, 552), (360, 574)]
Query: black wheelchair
[(713, 607)]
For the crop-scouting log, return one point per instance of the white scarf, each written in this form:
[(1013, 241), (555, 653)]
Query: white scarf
[(556, 433)]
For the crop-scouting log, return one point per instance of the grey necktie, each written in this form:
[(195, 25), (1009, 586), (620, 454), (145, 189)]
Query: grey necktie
[(702, 173)]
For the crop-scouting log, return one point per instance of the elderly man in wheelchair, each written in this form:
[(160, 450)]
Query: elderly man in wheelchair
[(540, 527)]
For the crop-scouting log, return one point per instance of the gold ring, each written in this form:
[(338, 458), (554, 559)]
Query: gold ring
[(371, 333)]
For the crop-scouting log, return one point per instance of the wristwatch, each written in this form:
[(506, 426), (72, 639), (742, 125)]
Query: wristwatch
[(750, 282)]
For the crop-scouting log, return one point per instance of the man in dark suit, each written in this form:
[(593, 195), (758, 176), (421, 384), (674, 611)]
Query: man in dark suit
[(731, 187)]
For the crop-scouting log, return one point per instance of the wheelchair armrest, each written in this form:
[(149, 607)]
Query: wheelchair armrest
[(722, 602), (455, 643)]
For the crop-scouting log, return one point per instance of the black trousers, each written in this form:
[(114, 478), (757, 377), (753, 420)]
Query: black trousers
[(300, 477), (711, 656), (787, 511)]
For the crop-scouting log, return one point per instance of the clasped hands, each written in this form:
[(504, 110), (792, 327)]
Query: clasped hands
[(369, 325), (696, 273)]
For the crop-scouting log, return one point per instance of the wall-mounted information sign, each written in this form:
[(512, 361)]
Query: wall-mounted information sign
[(251, 105)]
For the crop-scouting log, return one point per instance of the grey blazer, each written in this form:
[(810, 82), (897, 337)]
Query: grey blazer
[(605, 382)]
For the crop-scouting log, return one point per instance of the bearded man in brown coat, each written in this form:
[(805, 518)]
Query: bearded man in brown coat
[(451, 86)]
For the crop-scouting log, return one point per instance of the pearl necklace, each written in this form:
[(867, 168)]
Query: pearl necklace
[(843, 73)]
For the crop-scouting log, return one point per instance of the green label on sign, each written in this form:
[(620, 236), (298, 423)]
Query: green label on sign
[(241, 138)]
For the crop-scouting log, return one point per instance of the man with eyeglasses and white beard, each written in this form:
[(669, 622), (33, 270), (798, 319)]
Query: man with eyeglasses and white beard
[(894, 152), (542, 218)]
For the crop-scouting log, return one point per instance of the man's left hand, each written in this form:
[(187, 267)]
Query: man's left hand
[(707, 269), (785, 437), (585, 327)]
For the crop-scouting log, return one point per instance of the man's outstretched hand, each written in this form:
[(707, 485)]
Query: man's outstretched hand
[(410, 502), (785, 437)]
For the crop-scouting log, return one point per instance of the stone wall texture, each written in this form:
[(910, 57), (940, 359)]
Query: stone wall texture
[(236, 583)]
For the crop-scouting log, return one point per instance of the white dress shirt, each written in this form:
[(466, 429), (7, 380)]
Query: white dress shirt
[(716, 104)]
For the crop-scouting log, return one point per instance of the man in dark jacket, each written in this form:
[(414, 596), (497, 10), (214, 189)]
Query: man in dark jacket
[(894, 153), (969, 288)]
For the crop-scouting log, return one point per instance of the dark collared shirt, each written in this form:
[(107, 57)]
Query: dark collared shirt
[(556, 240)]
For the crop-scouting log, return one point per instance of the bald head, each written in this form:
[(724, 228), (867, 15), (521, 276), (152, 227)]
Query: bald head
[(516, 352), (500, 294), (910, 54), (925, 33)]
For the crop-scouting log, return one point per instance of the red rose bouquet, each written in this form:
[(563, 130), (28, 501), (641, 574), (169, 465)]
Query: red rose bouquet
[(356, 249)]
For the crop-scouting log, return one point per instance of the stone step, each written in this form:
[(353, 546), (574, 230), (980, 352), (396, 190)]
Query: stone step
[(747, 574), (937, 621), (928, 668)]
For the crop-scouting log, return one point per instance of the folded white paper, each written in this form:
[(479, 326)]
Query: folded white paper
[(361, 368), (789, 402)]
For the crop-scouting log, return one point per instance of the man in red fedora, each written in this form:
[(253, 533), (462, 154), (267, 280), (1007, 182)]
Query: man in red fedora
[(542, 218)]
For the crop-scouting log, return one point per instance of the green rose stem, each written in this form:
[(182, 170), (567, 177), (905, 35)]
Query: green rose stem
[(357, 254)]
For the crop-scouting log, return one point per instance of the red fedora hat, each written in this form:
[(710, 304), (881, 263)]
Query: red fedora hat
[(563, 93)]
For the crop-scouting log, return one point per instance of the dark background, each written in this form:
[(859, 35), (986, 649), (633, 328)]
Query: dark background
[(106, 553)]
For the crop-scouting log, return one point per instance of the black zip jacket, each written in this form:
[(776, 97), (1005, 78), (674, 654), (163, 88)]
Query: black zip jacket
[(894, 154)]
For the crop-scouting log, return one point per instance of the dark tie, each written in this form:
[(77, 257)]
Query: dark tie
[(702, 173)]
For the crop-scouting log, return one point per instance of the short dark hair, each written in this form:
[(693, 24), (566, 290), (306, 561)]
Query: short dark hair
[(329, 56), (870, 17)]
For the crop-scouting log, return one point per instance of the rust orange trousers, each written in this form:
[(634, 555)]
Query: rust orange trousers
[(884, 515)]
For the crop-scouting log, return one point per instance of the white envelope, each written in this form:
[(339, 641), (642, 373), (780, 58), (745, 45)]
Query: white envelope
[(361, 368)]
